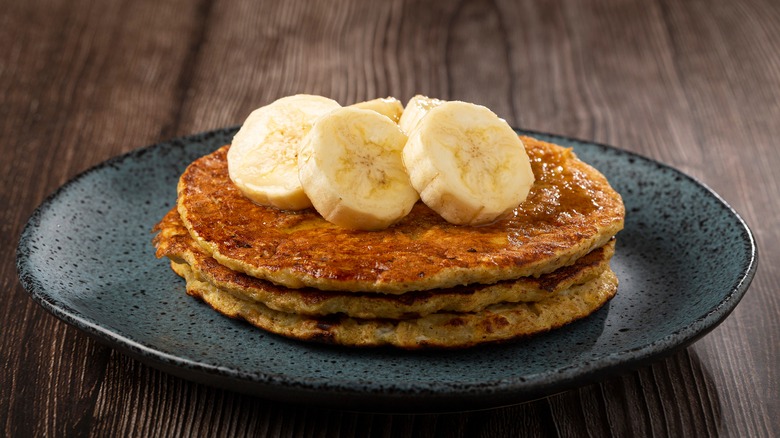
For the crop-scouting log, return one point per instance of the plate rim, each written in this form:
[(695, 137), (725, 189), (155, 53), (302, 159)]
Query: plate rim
[(446, 397)]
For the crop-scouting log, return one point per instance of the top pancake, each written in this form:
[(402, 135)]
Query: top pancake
[(570, 210)]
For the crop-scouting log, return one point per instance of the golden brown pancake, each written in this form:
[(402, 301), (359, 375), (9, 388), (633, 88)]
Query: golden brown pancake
[(570, 211), (499, 322), (174, 242)]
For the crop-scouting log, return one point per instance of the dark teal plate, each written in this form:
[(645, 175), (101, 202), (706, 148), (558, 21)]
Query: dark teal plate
[(684, 260)]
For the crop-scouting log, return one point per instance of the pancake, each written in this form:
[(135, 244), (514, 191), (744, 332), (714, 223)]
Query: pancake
[(496, 323), (173, 241), (570, 211)]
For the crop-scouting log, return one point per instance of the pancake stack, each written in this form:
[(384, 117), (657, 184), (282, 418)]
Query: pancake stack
[(422, 282)]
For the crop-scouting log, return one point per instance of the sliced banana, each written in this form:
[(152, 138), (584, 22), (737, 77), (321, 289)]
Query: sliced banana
[(467, 164), (351, 169), (417, 107), (388, 106), (263, 158)]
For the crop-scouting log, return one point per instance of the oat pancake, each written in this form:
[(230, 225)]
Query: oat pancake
[(570, 211), (173, 241), (499, 322)]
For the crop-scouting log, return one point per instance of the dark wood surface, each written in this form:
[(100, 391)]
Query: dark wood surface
[(695, 84)]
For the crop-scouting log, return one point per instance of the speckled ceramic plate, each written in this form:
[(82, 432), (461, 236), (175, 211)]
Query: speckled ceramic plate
[(684, 260)]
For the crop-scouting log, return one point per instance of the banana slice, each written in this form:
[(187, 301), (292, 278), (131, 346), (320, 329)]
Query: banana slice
[(263, 158), (350, 167), (388, 106), (417, 107), (467, 164)]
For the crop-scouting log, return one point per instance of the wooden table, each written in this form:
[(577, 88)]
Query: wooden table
[(695, 84)]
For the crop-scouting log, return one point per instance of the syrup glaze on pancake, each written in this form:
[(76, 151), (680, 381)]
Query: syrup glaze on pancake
[(173, 241), (496, 323), (570, 211)]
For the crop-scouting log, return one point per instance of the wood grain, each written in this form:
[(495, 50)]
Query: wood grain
[(693, 84)]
